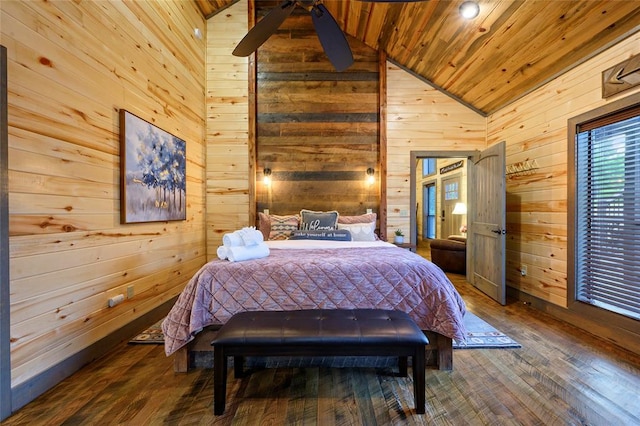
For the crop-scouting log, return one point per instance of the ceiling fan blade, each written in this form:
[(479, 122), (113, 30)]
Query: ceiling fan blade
[(332, 38), (264, 29)]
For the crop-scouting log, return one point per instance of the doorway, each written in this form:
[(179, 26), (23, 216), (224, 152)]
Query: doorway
[(438, 183), (486, 214)]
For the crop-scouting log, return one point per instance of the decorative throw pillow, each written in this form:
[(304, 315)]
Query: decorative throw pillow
[(363, 218), (264, 225), (282, 226), (318, 220), (332, 235), (360, 231)]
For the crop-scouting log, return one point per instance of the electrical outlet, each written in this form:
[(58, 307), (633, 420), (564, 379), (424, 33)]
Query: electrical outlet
[(130, 292), (523, 270)]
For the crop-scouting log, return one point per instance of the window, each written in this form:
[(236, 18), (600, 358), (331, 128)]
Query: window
[(451, 191), (428, 167), (429, 221), (606, 202)]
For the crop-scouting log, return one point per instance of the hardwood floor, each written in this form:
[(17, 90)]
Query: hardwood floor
[(560, 376)]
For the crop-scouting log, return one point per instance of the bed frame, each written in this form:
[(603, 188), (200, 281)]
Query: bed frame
[(439, 350)]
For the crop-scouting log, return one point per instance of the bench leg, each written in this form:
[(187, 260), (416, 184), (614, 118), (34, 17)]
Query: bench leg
[(403, 366), (419, 379), (219, 380)]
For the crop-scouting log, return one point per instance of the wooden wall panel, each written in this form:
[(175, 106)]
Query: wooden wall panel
[(317, 129), (421, 118), (535, 128), (227, 138), (72, 67)]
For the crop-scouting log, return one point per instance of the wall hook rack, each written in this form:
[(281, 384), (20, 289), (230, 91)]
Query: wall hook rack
[(521, 168)]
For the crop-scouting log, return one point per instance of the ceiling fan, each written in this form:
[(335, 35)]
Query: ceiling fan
[(333, 41)]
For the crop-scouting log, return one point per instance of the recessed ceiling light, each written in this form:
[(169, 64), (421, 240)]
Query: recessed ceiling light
[(197, 33), (469, 9)]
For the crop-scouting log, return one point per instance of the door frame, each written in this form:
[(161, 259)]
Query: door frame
[(5, 330), (415, 155)]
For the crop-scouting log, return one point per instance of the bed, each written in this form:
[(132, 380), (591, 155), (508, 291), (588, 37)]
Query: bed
[(315, 274)]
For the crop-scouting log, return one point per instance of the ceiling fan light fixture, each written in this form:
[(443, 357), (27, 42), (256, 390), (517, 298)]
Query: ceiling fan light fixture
[(469, 9)]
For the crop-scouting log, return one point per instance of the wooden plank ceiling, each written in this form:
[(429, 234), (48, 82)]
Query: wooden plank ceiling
[(510, 49)]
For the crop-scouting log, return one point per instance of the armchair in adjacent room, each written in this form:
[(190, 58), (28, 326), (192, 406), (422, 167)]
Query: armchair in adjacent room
[(450, 254)]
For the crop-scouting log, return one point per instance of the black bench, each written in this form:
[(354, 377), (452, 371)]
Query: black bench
[(327, 332)]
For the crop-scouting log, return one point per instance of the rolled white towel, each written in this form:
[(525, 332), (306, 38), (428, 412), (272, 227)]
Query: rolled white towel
[(222, 252), (240, 253), (251, 236), (232, 239)]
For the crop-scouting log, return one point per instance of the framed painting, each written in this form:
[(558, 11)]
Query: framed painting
[(152, 172)]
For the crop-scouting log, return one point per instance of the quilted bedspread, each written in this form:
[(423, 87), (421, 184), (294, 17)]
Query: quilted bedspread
[(384, 277)]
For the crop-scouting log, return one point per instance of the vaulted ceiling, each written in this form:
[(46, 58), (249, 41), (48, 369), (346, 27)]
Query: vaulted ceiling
[(510, 49)]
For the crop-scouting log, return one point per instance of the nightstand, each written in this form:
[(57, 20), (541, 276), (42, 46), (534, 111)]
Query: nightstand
[(408, 246)]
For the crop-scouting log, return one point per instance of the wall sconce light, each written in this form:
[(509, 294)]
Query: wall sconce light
[(371, 176), (266, 173), (469, 9)]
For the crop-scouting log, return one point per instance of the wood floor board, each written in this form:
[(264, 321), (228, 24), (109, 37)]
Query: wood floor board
[(295, 403), (557, 390), (311, 388), (525, 400), (560, 376), (280, 390), (325, 398), (344, 396), (435, 410), (491, 399), (378, 403), (392, 400)]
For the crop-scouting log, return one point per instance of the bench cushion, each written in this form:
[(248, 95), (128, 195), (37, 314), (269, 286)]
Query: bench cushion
[(320, 326)]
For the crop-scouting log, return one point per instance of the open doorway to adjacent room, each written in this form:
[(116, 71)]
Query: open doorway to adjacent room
[(441, 199), (477, 180)]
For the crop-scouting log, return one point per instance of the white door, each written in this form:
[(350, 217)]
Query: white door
[(487, 221)]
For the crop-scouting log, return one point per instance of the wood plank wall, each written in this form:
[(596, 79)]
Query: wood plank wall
[(72, 66), (421, 118), (535, 128), (227, 107), (317, 129)]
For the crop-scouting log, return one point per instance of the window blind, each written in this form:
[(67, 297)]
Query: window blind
[(608, 213)]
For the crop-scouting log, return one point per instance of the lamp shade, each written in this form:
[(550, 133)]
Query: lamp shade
[(459, 208)]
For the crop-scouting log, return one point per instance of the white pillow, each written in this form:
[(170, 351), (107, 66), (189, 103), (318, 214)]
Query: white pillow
[(360, 231)]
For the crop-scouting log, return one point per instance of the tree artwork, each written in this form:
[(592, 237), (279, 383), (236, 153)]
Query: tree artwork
[(153, 174)]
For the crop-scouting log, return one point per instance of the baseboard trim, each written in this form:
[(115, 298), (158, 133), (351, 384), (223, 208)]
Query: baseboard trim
[(26, 392), (619, 336)]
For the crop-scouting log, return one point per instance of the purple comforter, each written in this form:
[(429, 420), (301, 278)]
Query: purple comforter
[(372, 277)]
